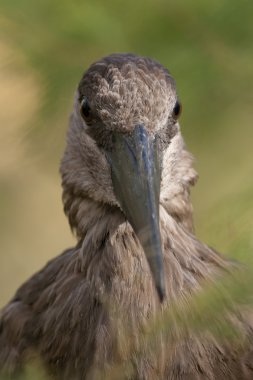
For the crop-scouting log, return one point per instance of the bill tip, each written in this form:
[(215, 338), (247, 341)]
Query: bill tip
[(161, 293)]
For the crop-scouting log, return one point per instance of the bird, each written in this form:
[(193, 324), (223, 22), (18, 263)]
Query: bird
[(126, 179)]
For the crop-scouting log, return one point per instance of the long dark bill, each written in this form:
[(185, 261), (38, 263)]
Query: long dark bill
[(136, 177)]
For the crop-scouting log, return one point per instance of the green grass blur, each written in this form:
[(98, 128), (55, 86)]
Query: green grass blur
[(46, 45)]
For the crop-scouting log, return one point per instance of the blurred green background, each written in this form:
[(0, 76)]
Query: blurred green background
[(46, 45)]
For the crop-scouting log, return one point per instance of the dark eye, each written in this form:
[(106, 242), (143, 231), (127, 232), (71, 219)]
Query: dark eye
[(85, 109), (177, 110)]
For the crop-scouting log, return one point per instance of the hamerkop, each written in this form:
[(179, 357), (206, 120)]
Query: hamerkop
[(126, 177)]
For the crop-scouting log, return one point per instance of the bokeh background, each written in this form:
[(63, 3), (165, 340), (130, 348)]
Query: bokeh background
[(46, 45)]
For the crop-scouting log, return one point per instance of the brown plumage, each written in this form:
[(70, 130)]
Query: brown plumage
[(126, 177)]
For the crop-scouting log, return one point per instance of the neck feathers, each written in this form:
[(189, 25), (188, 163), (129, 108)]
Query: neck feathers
[(109, 245)]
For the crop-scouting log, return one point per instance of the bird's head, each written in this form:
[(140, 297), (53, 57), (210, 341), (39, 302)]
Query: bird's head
[(125, 116)]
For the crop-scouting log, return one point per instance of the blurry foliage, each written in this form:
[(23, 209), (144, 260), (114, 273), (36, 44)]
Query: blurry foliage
[(207, 46), (33, 371), (205, 312)]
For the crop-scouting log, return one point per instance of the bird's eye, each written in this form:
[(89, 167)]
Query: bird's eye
[(85, 109), (177, 110)]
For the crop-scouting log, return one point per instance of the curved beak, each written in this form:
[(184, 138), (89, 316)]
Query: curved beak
[(136, 176)]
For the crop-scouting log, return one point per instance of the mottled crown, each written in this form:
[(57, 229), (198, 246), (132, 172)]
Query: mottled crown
[(125, 90)]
